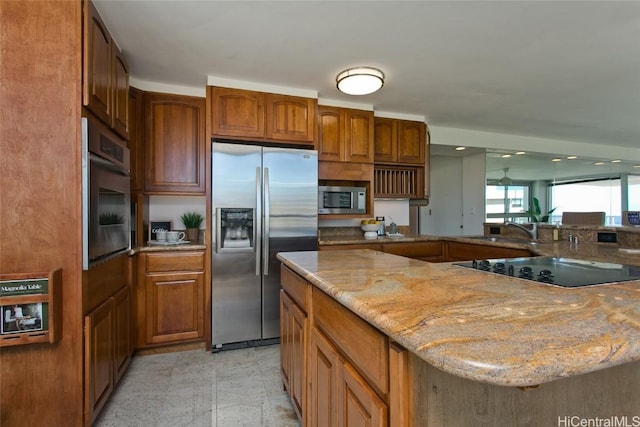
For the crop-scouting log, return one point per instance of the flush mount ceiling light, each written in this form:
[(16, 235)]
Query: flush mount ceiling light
[(360, 80)]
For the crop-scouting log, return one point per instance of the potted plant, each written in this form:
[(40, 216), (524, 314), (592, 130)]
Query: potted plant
[(535, 213), (192, 222)]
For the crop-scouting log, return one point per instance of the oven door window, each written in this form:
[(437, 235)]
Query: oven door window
[(109, 213)]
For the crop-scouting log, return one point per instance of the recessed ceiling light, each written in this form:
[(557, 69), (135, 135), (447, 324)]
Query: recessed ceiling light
[(517, 153), (460, 148), (556, 160), (504, 156), (572, 157), (616, 161), (598, 163), (360, 80)]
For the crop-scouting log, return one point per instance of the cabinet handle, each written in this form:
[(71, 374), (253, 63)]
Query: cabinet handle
[(257, 229)]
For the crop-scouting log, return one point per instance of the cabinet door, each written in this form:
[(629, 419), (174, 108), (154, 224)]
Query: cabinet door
[(237, 113), (323, 368), (120, 112), (99, 367), (411, 142), (358, 404), (385, 140), (174, 144), (290, 118), (293, 344), (136, 139), (97, 64), (174, 307), (122, 332), (330, 134), (298, 374), (286, 319), (358, 136)]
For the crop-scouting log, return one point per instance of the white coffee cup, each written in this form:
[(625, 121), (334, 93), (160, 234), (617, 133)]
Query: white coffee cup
[(175, 236), (161, 235)]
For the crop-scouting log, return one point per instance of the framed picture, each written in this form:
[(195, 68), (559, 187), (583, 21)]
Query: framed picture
[(20, 318), (155, 226)]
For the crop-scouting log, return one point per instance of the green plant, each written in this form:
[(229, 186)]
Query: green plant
[(110, 218), (191, 219), (535, 213)]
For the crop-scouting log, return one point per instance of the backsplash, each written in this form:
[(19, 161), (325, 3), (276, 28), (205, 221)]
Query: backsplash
[(626, 237), (171, 208)]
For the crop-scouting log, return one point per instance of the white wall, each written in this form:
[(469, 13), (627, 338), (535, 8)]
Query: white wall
[(396, 210), (473, 194), (456, 206), (443, 215), (171, 208)]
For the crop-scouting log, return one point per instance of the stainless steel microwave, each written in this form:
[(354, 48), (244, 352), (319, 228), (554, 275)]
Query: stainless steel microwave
[(342, 200)]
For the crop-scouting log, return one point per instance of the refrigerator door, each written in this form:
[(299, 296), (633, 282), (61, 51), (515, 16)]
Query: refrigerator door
[(236, 260), (290, 178)]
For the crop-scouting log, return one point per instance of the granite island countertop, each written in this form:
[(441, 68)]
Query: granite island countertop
[(495, 329)]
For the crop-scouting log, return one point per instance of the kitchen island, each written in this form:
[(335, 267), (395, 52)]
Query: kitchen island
[(483, 349)]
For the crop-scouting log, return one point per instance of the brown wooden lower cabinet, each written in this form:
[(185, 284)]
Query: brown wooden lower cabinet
[(170, 298), (293, 345), (108, 349), (431, 251), (467, 251), (358, 404), (436, 251), (323, 372), (349, 369)]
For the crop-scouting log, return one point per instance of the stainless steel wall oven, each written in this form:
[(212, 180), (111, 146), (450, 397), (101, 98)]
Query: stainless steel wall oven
[(106, 191)]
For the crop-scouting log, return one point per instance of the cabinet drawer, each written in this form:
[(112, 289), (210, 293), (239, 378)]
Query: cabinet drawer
[(297, 288), (414, 250), (372, 246), (365, 347), (175, 261), (466, 252)]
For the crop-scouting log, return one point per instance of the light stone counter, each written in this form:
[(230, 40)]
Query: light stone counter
[(493, 329)]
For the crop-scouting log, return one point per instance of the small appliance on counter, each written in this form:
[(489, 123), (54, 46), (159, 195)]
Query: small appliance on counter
[(383, 228)]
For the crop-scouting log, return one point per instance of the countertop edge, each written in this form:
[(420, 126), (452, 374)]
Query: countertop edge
[(462, 368)]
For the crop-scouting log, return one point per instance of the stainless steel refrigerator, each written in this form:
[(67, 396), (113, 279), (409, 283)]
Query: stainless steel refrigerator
[(265, 201)]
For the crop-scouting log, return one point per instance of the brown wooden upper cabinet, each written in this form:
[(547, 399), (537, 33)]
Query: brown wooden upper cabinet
[(174, 148), (105, 74), (345, 135), (250, 115), (136, 141), (400, 141)]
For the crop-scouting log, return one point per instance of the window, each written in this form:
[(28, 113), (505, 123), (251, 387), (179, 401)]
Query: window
[(507, 203), (633, 195), (592, 195)]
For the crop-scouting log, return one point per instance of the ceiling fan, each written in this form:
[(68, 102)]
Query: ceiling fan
[(505, 180)]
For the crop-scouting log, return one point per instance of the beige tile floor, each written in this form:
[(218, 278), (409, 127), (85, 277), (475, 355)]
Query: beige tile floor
[(199, 389)]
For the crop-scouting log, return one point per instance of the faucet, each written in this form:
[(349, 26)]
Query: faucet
[(532, 232)]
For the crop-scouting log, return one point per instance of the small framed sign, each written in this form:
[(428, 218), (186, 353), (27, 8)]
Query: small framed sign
[(31, 308), (155, 226)]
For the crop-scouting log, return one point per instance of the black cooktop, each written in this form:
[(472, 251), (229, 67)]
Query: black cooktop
[(565, 272)]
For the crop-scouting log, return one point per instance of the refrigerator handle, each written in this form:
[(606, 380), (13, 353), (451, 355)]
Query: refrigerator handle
[(257, 234), (267, 220)]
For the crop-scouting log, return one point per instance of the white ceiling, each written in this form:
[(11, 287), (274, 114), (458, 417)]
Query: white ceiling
[(567, 70)]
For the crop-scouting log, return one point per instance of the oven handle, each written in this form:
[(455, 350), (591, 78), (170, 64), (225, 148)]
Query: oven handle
[(106, 164)]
